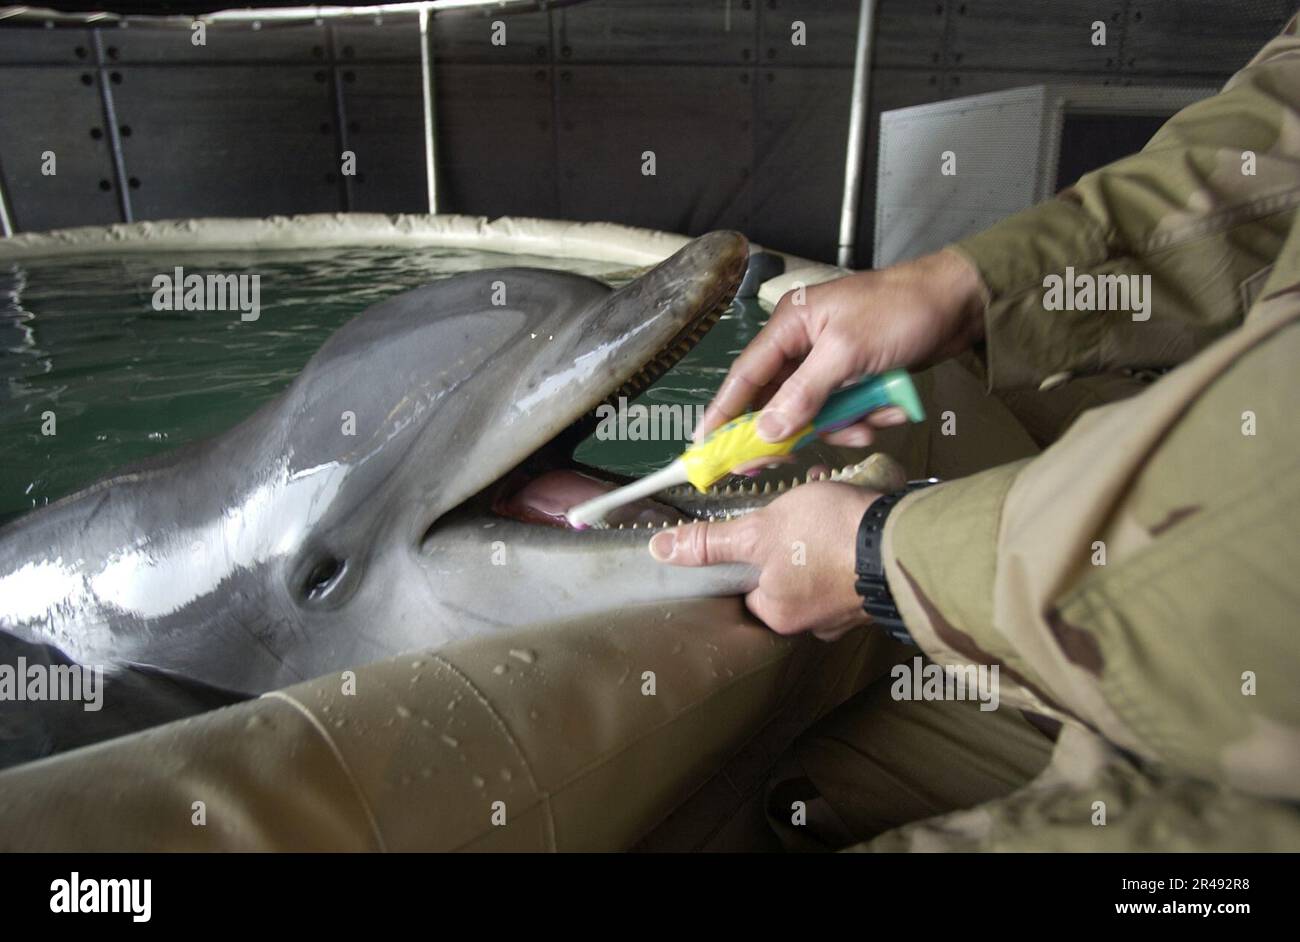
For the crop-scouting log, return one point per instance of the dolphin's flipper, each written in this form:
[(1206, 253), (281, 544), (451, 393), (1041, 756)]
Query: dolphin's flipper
[(129, 697)]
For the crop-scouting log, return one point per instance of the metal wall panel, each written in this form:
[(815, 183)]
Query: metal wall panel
[(1205, 37), (468, 37), (251, 140), (907, 33), (53, 109), (694, 119), (657, 31), (231, 43), (384, 128), (32, 44), (1053, 35), (496, 152), (800, 137), (391, 38)]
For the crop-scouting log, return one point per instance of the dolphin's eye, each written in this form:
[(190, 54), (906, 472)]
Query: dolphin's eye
[(323, 577)]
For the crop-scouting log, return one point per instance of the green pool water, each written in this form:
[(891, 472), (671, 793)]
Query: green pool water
[(81, 339)]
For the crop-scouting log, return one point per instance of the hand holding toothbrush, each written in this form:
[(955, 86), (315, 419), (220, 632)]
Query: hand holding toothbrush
[(909, 315)]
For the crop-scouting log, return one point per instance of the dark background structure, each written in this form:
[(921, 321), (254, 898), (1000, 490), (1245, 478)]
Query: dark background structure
[(748, 130)]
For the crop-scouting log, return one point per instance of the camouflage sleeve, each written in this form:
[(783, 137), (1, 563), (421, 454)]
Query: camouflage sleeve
[(1144, 262), (1138, 577)]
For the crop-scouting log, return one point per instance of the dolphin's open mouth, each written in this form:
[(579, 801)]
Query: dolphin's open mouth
[(550, 482), (690, 292), (543, 489)]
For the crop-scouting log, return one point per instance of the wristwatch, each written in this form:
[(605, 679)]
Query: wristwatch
[(877, 601)]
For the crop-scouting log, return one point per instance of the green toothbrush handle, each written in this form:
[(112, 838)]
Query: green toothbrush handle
[(893, 388)]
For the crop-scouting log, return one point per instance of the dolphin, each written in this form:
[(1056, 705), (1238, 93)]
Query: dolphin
[(407, 489)]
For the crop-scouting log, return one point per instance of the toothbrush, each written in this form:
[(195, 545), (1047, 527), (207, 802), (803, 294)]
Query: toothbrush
[(736, 446)]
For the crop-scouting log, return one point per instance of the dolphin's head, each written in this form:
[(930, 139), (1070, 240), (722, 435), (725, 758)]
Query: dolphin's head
[(457, 396), (408, 488)]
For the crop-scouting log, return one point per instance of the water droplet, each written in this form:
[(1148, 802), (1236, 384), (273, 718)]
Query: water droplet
[(523, 654), (403, 712), (499, 669), (478, 781)]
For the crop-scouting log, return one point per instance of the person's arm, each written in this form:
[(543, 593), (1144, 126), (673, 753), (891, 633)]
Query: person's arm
[(1201, 210), (1138, 577)]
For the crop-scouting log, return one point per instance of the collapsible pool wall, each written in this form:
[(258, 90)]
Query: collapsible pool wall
[(596, 241)]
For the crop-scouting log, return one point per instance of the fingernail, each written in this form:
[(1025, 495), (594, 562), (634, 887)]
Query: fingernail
[(661, 545), (773, 426), (891, 416)]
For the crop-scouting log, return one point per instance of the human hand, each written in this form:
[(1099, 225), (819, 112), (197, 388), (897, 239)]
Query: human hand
[(909, 315), (804, 545)]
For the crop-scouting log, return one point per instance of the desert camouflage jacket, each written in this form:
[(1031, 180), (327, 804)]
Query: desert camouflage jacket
[(1140, 580)]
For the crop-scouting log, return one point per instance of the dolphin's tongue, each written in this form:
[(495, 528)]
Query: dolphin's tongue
[(546, 499)]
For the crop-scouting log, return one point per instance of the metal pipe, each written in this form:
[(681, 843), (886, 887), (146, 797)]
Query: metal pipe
[(426, 89), (6, 224), (857, 134), (276, 15), (110, 121), (340, 118)]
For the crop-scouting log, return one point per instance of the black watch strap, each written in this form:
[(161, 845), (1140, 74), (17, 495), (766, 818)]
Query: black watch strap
[(877, 600)]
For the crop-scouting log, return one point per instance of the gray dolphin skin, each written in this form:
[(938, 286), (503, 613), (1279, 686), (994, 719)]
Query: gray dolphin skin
[(285, 548)]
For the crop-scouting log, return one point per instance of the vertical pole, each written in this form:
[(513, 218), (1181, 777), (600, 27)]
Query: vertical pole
[(111, 127), (426, 84), (857, 134), (340, 117), (6, 224)]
